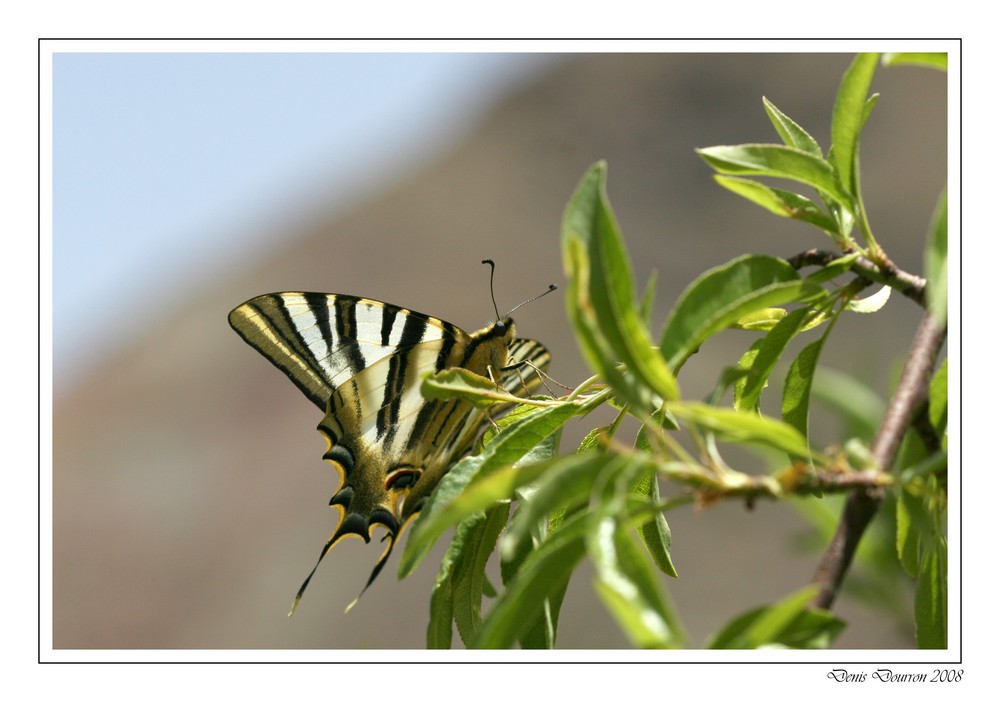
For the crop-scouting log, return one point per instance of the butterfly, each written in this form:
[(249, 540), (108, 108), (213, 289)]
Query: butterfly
[(362, 362)]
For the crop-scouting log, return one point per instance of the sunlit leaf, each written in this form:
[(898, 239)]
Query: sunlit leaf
[(761, 359), (849, 113), (780, 202), (937, 60), (790, 132), (778, 161), (872, 303), (738, 426), (725, 294), (601, 298)]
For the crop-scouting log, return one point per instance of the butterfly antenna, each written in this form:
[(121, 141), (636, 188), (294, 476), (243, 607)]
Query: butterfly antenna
[(493, 268), (517, 307)]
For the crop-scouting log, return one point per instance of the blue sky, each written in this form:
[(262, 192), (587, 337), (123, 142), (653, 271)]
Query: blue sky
[(169, 157)]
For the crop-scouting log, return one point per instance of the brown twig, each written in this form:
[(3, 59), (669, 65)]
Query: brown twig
[(862, 504), (906, 283)]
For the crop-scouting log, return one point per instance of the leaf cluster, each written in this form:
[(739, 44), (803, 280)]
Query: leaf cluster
[(545, 512)]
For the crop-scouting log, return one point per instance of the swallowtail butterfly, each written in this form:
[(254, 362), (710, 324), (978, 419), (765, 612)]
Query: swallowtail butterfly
[(361, 362)]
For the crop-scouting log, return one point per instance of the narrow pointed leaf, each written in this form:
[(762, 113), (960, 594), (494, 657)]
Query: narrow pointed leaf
[(761, 359), (442, 611), (542, 574), (655, 534), (790, 132), (798, 386), (780, 202), (601, 303), (737, 426), (629, 588), (849, 115), (777, 161), (480, 536)]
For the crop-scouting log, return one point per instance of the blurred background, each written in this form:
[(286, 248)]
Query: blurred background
[(189, 497)]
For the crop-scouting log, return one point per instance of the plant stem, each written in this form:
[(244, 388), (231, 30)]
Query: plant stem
[(862, 504), (899, 280)]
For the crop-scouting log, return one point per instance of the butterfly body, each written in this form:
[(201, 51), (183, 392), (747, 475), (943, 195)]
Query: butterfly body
[(362, 362)]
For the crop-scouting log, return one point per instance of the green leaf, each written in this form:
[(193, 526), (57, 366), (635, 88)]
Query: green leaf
[(444, 509), (461, 383), (913, 527), (931, 599), (739, 427), (791, 133), (788, 623), (596, 438), (925, 59), (723, 295), (798, 384), (849, 112), (777, 161), (479, 535), (780, 202), (628, 586), (542, 575), (761, 320), (655, 533), (540, 634), (565, 484), (936, 262), (439, 627), (761, 359), (937, 407), (601, 298), (872, 303)]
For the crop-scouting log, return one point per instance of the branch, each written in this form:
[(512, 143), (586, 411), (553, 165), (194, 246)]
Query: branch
[(862, 504), (906, 283)]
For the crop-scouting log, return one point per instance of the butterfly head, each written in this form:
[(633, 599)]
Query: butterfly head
[(502, 328)]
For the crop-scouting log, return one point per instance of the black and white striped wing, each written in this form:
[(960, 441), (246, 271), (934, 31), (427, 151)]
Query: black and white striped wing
[(321, 340), (362, 362)]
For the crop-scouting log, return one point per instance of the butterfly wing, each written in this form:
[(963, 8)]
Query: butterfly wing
[(320, 340), (392, 446), (361, 361)]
